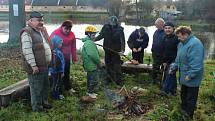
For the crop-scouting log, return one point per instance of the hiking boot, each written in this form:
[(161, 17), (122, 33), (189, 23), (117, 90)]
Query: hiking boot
[(47, 105), (92, 95), (61, 97), (71, 91)]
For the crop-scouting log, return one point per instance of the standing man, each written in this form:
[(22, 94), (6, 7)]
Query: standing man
[(37, 56), (157, 50), (68, 49), (170, 44), (137, 42), (114, 40)]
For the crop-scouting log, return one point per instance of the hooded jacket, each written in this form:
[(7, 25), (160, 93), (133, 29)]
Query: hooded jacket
[(90, 55), (57, 63)]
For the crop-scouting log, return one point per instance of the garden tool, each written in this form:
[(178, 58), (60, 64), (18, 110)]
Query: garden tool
[(163, 67), (118, 53)]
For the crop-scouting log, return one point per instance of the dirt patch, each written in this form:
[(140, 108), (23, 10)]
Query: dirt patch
[(10, 58)]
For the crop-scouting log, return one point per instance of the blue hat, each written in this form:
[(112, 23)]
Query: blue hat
[(36, 14), (56, 40)]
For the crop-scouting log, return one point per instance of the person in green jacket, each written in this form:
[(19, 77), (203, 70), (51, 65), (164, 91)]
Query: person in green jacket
[(91, 60)]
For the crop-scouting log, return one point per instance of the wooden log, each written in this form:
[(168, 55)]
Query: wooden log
[(131, 68), (14, 92)]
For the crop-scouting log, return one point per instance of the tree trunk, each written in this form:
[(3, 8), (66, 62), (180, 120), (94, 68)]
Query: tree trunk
[(16, 20)]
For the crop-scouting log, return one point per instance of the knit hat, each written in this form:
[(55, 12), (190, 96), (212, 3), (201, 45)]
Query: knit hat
[(169, 24), (142, 30), (36, 14), (56, 40)]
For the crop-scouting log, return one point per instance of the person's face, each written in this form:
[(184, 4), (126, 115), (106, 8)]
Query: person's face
[(159, 24), (37, 22), (182, 37), (93, 36), (66, 30), (168, 30), (140, 35), (59, 45)]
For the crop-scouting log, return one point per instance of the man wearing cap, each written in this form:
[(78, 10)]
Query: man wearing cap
[(170, 43), (68, 49), (137, 42), (114, 40), (36, 58)]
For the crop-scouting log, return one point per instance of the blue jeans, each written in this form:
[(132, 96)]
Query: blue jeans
[(56, 83), (92, 81), (170, 83)]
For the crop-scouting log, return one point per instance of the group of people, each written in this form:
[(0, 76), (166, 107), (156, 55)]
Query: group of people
[(172, 49), (178, 50)]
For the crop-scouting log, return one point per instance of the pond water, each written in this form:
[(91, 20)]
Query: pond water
[(78, 29)]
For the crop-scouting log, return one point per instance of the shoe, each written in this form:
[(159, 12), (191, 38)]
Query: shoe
[(163, 93), (92, 95), (61, 97), (72, 90), (95, 94), (47, 105)]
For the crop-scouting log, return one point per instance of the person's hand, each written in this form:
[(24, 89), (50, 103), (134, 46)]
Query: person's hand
[(121, 53), (134, 50), (139, 49), (187, 78), (164, 64), (35, 69), (62, 75)]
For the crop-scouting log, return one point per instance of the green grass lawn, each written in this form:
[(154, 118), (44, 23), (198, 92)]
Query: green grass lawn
[(71, 109)]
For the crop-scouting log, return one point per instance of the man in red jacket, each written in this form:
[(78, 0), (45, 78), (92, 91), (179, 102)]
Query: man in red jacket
[(68, 49)]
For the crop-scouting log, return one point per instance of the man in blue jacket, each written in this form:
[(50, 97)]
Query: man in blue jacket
[(137, 42), (157, 50)]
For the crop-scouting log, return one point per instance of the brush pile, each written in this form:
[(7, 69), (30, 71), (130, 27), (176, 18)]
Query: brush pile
[(128, 105)]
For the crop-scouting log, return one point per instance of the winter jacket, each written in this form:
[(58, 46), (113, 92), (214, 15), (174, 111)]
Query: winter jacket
[(134, 41), (190, 61), (90, 55), (113, 37), (57, 63), (69, 44), (170, 44), (157, 42)]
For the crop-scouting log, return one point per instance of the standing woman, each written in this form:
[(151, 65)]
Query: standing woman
[(190, 63)]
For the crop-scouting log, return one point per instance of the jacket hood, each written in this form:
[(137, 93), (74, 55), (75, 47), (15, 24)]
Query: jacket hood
[(85, 39), (56, 40)]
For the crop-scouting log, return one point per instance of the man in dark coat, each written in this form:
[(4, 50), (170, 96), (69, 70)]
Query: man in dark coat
[(137, 42), (114, 45), (157, 50)]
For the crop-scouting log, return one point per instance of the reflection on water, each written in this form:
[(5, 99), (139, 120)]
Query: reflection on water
[(78, 29)]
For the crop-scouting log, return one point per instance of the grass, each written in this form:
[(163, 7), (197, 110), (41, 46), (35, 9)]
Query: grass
[(71, 109)]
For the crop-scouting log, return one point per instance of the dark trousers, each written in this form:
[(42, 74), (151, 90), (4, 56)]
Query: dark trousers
[(138, 56), (39, 89), (56, 82), (113, 67), (189, 96), (156, 72), (66, 78), (92, 81), (169, 82)]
